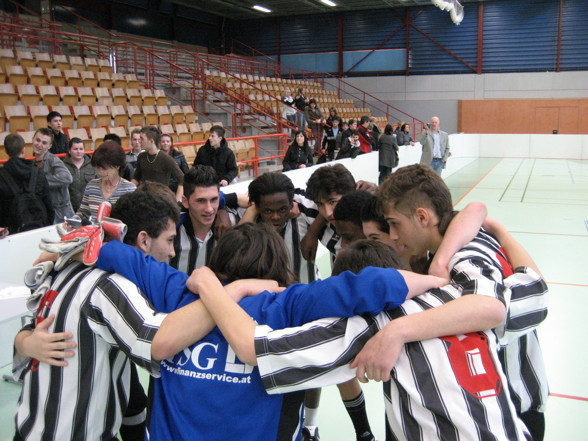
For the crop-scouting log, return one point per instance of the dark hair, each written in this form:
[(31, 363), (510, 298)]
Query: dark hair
[(403, 126), (113, 137), (152, 133), (312, 101), (52, 115), (74, 141), (304, 144), (45, 131), (388, 129), (417, 186), (350, 205), (363, 120), (109, 154), (270, 183), (354, 132), (135, 131), (144, 211), (363, 253), (251, 251), (219, 130), (199, 176), (329, 179), (352, 121), (172, 149), (370, 213), (14, 145), (159, 189)]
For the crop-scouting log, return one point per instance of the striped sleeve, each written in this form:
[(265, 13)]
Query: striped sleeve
[(527, 307), (314, 355), (120, 314)]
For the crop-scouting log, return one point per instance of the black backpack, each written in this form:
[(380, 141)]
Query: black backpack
[(27, 209)]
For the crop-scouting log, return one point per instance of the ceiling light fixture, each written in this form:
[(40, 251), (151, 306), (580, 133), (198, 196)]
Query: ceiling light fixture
[(262, 9), (329, 2)]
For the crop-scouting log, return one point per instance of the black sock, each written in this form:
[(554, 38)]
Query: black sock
[(357, 411)]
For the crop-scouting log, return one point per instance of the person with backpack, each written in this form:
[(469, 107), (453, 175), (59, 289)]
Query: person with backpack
[(24, 191)]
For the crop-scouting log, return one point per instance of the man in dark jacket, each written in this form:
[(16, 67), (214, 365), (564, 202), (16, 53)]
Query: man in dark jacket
[(20, 170), (60, 140), (217, 154)]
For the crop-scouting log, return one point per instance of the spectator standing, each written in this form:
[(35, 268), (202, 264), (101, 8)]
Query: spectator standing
[(341, 135), (388, 153), (300, 101), (289, 110), (167, 146), (217, 154), (314, 117), (403, 135), (82, 171), (58, 176), (20, 171), (331, 134), (365, 137), (435, 144), (153, 166), (133, 155), (109, 161), (299, 154), (332, 115), (375, 131), (60, 141)]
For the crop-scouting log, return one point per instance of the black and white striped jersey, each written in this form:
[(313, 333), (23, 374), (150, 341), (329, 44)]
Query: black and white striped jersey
[(112, 323), (441, 389)]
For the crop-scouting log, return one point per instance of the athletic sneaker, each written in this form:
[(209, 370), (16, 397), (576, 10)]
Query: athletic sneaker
[(367, 436), (310, 433)]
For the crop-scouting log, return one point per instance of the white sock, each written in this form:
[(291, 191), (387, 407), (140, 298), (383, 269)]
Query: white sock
[(310, 416)]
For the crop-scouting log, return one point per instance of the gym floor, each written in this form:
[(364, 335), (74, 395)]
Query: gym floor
[(544, 203)]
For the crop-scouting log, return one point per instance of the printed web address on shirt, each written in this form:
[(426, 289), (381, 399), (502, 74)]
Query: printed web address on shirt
[(207, 376)]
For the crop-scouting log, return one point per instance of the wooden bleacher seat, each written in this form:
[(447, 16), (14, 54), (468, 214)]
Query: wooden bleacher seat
[(36, 76), (81, 133), (164, 115), (16, 75), (7, 57), (134, 97), (28, 95), (168, 129), (92, 64), (25, 59), (177, 114), (39, 116), (89, 78), (206, 127), (43, 60), (189, 153), (119, 80), (102, 115), (67, 118), (28, 139), (119, 97), (97, 134), (18, 118), (147, 96), (160, 97), (3, 154), (76, 63), (104, 65), (132, 81), (55, 77), (61, 62), (150, 114), (68, 95), (86, 95), (119, 115), (189, 114), (8, 95), (104, 79), (73, 78), (49, 94), (183, 133), (197, 132), (2, 119), (103, 96), (136, 116), (2, 75), (122, 133), (83, 116)]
